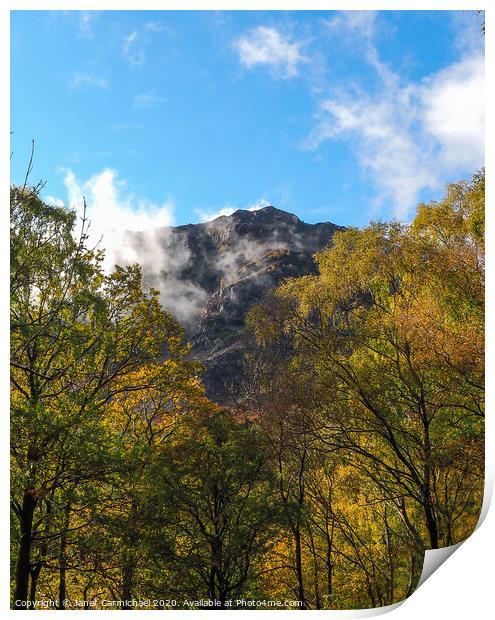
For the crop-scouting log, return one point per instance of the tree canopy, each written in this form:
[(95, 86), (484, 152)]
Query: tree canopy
[(356, 442)]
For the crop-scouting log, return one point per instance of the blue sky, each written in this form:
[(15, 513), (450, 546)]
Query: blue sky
[(174, 117)]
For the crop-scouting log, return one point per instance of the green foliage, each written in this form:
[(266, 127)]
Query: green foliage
[(356, 442), (84, 350), (215, 489), (389, 337)]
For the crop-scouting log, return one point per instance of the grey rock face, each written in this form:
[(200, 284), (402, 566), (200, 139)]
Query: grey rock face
[(210, 274)]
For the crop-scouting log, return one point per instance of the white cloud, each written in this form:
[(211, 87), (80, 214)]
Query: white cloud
[(208, 216), (148, 100), (154, 26), (266, 46), (383, 136), (258, 204), (134, 230), (80, 81), (361, 23), (132, 50), (53, 201), (408, 136), (113, 212), (135, 43), (452, 108), (467, 25), (85, 22), (358, 29)]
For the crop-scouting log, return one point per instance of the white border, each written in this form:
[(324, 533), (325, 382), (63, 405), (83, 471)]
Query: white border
[(462, 586)]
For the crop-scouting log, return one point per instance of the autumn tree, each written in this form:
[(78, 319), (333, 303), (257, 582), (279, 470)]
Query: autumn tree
[(212, 494), (80, 340), (389, 335), (356, 441)]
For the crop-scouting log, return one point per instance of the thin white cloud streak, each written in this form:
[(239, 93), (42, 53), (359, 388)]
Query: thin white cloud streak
[(352, 22), (154, 26), (359, 28), (208, 216), (468, 39), (85, 23), (132, 50), (409, 136), (267, 46), (134, 45), (148, 100), (261, 203), (81, 81)]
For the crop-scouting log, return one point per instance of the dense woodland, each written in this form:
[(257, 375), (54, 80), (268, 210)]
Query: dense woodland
[(356, 443)]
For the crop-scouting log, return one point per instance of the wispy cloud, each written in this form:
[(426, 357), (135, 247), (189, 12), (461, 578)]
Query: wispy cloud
[(360, 22), (467, 28), (261, 203), (358, 29), (53, 201), (113, 211), (85, 21), (408, 136), (80, 22), (267, 46), (154, 26), (208, 216), (137, 42), (135, 230), (148, 100), (132, 49), (80, 81)]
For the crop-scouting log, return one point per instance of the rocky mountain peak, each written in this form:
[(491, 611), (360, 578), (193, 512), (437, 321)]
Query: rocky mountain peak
[(210, 274)]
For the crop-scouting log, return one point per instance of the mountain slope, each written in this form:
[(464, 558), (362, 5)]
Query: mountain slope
[(210, 274)]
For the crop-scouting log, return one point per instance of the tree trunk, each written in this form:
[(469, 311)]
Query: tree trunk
[(428, 505), (127, 579), (26, 513), (299, 571), (329, 538), (415, 568), (35, 573), (329, 566), (329, 575), (35, 570), (316, 574), (62, 583), (87, 604), (431, 522), (211, 586), (390, 560), (129, 556)]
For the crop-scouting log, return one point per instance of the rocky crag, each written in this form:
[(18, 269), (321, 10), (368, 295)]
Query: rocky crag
[(210, 274)]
